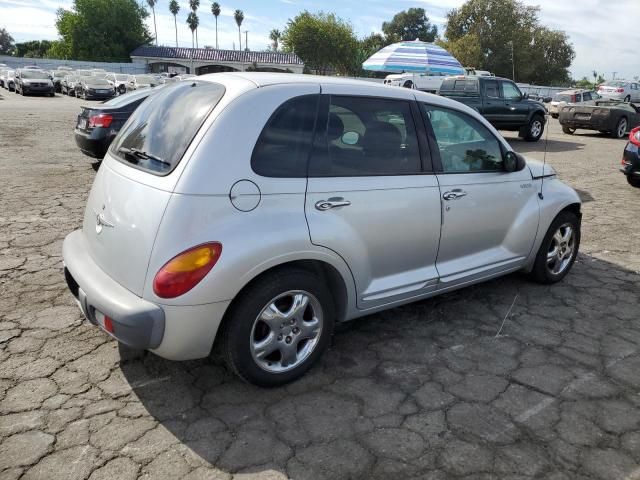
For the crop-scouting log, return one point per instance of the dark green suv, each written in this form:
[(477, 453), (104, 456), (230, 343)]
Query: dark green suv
[(500, 101)]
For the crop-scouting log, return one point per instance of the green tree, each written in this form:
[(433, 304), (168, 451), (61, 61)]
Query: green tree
[(192, 21), (6, 42), (194, 4), (238, 15), (33, 49), (102, 30), (152, 4), (275, 35), (478, 34), (410, 24), (322, 41), (215, 9), (174, 8)]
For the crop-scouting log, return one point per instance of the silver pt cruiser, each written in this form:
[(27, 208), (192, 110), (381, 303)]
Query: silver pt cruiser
[(260, 209)]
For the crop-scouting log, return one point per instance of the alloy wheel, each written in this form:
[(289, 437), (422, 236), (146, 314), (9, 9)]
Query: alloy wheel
[(286, 331), (536, 128), (622, 128), (561, 249)]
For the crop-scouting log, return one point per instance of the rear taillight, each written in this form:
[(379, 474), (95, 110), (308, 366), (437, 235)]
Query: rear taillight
[(620, 90), (186, 270), (101, 120), (634, 136), (573, 99)]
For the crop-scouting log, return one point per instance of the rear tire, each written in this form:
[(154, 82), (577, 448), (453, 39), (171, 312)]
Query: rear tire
[(408, 84), (633, 181), (122, 89), (535, 129), (557, 253), (627, 99), (245, 336), (568, 131), (621, 128)]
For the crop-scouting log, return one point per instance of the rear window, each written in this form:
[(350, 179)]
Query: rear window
[(459, 87), (161, 129), (127, 98), (563, 98)]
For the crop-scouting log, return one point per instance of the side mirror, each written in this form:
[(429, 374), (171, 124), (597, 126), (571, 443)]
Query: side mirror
[(514, 162), (525, 96)]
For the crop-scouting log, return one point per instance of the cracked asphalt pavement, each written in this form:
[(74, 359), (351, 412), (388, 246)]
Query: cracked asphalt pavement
[(450, 387)]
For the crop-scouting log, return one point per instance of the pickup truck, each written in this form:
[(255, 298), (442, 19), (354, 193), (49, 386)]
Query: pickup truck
[(500, 101)]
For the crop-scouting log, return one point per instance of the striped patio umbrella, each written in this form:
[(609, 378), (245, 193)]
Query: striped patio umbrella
[(414, 57)]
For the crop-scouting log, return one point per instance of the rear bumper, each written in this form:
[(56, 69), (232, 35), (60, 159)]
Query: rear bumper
[(585, 125), (136, 322), (93, 144)]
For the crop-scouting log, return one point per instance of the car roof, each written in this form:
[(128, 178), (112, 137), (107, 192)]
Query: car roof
[(263, 79), (574, 91)]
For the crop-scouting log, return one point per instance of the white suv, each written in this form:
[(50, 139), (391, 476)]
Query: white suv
[(260, 209)]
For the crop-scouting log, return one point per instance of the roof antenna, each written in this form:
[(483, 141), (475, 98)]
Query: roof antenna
[(544, 160)]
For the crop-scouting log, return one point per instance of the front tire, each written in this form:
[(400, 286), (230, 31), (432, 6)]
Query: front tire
[(621, 128), (278, 327), (558, 250), (535, 129), (568, 131), (408, 84)]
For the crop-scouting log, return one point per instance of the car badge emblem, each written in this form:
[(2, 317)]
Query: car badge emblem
[(101, 221)]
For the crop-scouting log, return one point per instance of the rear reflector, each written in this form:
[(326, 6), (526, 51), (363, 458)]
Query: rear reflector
[(101, 120), (186, 270), (108, 324)]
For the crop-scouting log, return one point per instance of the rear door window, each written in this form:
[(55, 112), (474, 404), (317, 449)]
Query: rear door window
[(367, 137), (159, 132)]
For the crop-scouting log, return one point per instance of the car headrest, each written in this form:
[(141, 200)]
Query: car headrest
[(381, 139), (335, 127)]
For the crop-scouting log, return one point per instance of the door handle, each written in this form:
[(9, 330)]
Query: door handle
[(334, 202), (454, 194)]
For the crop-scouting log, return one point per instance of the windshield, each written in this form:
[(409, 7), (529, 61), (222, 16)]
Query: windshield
[(34, 74), (162, 128), (122, 78), (96, 81), (59, 74), (145, 79)]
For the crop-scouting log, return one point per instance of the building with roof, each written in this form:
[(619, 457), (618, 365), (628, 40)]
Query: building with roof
[(209, 60)]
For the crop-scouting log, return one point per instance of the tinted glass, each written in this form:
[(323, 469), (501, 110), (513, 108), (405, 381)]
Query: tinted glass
[(586, 97), (367, 137), (510, 91), (454, 86), (122, 78), (465, 145), (491, 89), (164, 126), (283, 147)]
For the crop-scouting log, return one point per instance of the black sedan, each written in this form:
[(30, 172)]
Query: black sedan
[(631, 159), (94, 87), (614, 118), (97, 125)]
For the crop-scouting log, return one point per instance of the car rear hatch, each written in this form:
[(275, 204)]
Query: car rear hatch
[(133, 186)]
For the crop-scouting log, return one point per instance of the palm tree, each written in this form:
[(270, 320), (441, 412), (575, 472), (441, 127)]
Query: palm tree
[(152, 4), (275, 37), (215, 9), (194, 4), (174, 8), (192, 21), (595, 78), (239, 16)]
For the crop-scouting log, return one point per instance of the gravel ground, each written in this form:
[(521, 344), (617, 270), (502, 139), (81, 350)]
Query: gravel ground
[(424, 391)]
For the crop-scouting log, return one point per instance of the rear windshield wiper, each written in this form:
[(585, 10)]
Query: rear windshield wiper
[(135, 152)]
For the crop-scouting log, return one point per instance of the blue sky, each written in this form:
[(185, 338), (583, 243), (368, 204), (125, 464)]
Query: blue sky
[(604, 32)]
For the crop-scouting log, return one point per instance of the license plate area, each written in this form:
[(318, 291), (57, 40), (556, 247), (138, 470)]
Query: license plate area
[(583, 116)]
